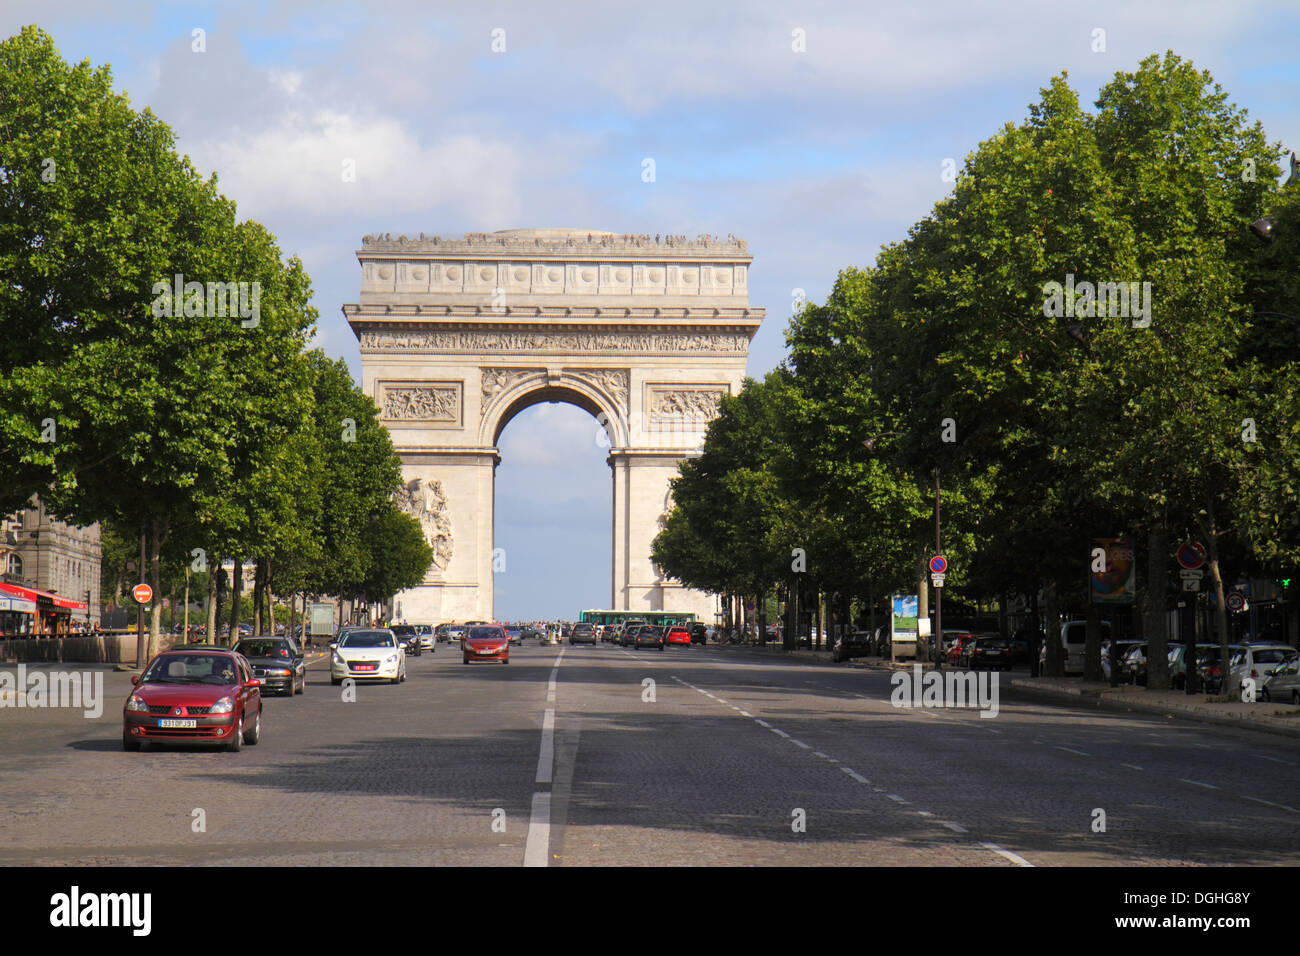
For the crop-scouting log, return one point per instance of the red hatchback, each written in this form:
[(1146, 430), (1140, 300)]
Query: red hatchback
[(679, 635), (194, 695), (485, 642)]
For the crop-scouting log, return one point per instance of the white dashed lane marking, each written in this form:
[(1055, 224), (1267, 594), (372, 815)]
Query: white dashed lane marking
[(849, 771)]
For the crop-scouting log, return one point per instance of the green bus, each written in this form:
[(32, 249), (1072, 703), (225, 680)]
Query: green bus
[(656, 618)]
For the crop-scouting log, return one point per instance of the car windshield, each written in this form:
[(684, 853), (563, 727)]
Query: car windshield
[(368, 639), (191, 669), (266, 648), (483, 633), (402, 630)]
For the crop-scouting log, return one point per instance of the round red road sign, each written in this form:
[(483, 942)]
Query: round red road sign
[(938, 564), (142, 593), (1236, 601), (1191, 555)]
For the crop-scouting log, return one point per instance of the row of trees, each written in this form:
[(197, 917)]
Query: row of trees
[(969, 351), (156, 375)]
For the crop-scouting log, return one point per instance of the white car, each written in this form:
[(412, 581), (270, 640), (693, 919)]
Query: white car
[(1257, 661), (368, 654)]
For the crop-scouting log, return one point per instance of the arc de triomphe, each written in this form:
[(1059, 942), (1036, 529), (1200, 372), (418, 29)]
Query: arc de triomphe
[(458, 335)]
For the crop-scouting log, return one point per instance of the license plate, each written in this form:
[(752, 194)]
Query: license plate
[(366, 667), (488, 651), (173, 722)]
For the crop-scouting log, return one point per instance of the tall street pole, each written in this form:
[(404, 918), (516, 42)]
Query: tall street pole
[(938, 592)]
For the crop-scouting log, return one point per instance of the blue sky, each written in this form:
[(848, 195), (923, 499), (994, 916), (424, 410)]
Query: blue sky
[(817, 158)]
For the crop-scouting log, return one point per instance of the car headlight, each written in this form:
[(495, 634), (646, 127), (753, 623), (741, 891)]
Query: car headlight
[(223, 706), (136, 704), (279, 671), (337, 658), (391, 660)]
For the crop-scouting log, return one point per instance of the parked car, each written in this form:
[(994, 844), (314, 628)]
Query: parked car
[(1074, 642), (197, 694), (649, 636), (277, 662), (848, 646), (1256, 661), (987, 650), (485, 642), (953, 636), (1122, 648), (699, 633), (1283, 684), (1210, 665), (957, 648), (368, 654)]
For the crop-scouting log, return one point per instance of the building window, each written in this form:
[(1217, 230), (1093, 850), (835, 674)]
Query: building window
[(16, 566)]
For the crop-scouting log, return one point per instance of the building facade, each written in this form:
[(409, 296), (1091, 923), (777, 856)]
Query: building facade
[(41, 553)]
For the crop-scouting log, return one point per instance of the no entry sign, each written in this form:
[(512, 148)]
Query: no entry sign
[(142, 593)]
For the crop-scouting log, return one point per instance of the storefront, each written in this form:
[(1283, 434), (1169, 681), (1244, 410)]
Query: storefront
[(34, 613), (17, 614)]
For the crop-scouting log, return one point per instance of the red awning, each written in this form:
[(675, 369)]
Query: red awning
[(42, 597)]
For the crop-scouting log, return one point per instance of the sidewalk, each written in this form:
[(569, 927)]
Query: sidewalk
[(1271, 718)]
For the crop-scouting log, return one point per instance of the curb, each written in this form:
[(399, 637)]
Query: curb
[(1100, 701)]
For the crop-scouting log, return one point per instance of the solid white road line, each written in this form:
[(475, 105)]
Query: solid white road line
[(537, 848), (546, 758), (1013, 857)]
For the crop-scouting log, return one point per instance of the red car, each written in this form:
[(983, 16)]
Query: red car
[(956, 646), (485, 642), (194, 694), (679, 635)]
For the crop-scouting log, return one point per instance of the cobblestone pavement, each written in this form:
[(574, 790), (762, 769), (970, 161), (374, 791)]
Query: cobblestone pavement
[(730, 757)]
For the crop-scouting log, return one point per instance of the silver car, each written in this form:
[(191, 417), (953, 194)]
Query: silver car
[(1283, 684), (1258, 661)]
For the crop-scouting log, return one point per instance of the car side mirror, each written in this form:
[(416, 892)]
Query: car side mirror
[(135, 679), (254, 682)]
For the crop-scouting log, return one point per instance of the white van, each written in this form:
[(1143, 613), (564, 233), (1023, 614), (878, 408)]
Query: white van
[(1074, 643)]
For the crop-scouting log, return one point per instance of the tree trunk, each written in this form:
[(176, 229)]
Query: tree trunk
[(259, 586), (1210, 531), (1092, 644), (214, 601), (1052, 630), (155, 574), (1154, 623), (236, 599)]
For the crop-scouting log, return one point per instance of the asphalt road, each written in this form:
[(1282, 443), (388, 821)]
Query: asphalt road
[(731, 756)]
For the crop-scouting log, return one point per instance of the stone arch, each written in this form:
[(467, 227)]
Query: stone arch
[(540, 386)]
